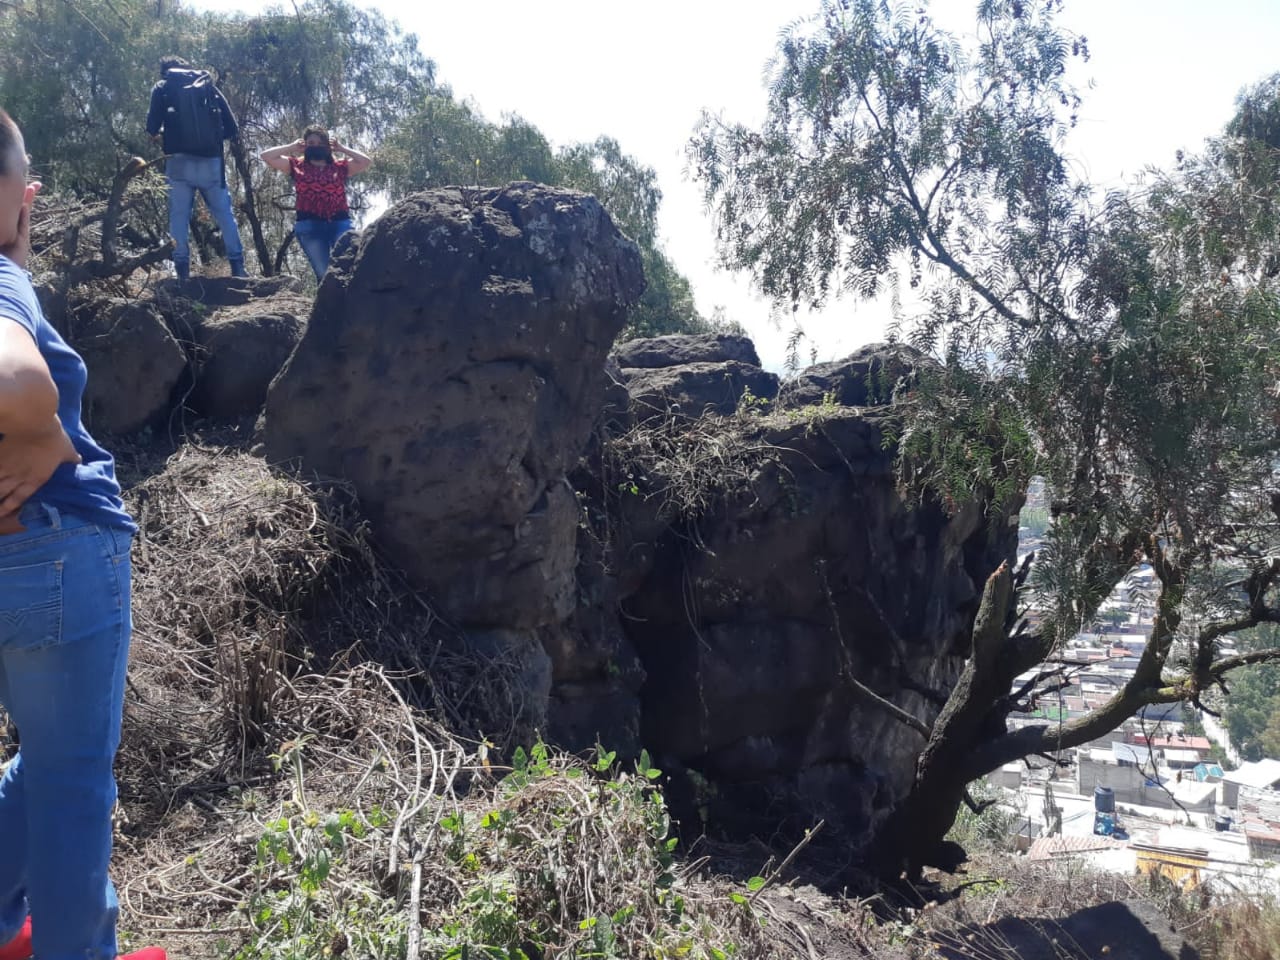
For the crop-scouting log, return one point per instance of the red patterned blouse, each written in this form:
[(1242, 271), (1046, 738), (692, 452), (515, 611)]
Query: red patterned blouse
[(321, 191)]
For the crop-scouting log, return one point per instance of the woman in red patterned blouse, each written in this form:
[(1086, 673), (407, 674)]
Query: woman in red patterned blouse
[(320, 182)]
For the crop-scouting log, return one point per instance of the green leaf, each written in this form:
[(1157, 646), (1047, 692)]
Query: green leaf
[(755, 883)]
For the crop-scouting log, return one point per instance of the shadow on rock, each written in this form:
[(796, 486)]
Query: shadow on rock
[(1132, 930)]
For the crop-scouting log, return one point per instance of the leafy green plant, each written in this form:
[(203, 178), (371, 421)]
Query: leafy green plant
[(991, 828), (557, 856), (297, 909)]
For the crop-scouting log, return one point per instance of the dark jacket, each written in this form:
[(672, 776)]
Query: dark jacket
[(158, 113)]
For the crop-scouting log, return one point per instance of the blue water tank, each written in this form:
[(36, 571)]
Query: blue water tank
[(1104, 799)]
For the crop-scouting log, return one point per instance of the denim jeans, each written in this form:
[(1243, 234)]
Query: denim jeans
[(316, 238), (187, 174), (64, 642)]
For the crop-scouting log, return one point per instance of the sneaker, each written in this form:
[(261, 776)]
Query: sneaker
[(237, 267), (146, 953), (19, 948)]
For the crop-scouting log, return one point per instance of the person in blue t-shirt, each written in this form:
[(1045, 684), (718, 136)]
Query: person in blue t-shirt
[(64, 620)]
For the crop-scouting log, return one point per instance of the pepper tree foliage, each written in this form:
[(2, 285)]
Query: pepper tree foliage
[(1253, 709), (1121, 345), (78, 76)]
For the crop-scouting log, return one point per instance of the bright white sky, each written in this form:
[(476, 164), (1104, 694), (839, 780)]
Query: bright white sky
[(1165, 74)]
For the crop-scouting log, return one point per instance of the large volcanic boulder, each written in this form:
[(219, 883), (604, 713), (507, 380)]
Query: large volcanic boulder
[(676, 349), (238, 350), (870, 376), (452, 370), (134, 362), (691, 375), (696, 389)]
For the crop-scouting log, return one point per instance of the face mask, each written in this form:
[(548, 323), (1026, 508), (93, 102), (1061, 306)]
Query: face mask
[(317, 154)]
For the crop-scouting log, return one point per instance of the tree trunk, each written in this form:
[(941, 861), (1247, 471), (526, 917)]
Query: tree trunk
[(915, 830), (111, 219), (284, 249), (250, 207), (970, 738)]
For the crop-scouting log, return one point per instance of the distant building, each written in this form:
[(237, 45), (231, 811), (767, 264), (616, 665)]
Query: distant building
[(1182, 752), (1009, 776), (1130, 773), (1178, 759), (1260, 775), (1264, 841)]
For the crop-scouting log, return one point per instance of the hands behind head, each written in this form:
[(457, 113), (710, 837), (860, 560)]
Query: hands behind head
[(18, 246)]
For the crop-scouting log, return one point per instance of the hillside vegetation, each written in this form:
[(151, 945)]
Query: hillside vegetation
[(78, 78)]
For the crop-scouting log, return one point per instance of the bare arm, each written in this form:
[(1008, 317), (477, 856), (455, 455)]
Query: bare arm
[(28, 397), (277, 158), (357, 162)]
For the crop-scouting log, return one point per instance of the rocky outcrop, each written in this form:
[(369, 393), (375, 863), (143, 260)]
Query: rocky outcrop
[(212, 293), (691, 375), (753, 566), (134, 363), (213, 343), (677, 349), (452, 370), (696, 389), (236, 352), (870, 376), (708, 587)]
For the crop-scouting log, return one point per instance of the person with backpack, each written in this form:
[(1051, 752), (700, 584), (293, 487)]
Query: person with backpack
[(320, 185), (194, 118), (64, 620)]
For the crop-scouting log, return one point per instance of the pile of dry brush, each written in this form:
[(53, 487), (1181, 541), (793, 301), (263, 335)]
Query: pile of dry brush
[(263, 619)]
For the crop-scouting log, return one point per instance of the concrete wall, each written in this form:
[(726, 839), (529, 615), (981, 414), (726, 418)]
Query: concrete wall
[(1130, 786), (1127, 782)]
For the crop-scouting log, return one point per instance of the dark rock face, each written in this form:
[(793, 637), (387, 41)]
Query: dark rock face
[(867, 377), (232, 334), (695, 389), (238, 350), (678, 349), (748, 602), (134, 363), (690, 375), (1128, 930), (452, 370)]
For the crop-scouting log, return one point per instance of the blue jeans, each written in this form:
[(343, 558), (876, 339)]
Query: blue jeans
[(316, 238), (64, 641), (187, 174)]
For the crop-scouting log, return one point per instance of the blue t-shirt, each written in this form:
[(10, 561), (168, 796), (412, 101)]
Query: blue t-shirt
[(88, 489)]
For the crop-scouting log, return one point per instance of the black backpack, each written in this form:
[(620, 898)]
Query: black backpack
[(193, 118)]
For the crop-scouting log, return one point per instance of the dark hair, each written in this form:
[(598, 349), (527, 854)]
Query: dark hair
[(173, 63), (8, 140), (316, 130)]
